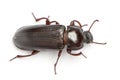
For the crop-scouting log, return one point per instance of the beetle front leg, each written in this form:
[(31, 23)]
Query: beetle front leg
[(59, 54), (69, 52), (21, 56), (72, 23)]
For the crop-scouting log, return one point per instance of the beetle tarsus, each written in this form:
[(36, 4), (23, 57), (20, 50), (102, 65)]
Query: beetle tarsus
[(59, 54), (34, 16), (83, 55), (21, 56), (13, 58)]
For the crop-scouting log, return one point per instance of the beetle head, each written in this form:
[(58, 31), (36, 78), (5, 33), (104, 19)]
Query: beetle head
[(88, 38), (76, 36)]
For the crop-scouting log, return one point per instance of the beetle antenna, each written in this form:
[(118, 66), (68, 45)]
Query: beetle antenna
[(100, 43), (92, 24)]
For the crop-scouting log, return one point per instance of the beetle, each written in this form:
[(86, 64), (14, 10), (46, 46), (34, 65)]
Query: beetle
[(56, 36)]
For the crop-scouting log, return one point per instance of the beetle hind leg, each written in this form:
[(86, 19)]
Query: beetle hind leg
[(59, 54), (21, 56)]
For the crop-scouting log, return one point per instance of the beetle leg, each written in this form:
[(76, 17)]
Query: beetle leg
[(21, 56), (69, 52), (99, 43), (54, 22), (38, 19), (72, 23), (59, 54)]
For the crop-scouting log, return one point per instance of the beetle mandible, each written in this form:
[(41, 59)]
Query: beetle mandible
[(49, 36)]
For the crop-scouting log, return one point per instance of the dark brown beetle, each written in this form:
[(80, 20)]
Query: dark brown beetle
[(49, 36)]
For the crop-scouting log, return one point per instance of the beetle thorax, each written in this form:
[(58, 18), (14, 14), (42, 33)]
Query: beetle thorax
[(72, 36)]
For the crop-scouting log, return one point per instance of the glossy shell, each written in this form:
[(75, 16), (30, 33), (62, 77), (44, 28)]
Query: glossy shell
[(36, 37), (75, 38)]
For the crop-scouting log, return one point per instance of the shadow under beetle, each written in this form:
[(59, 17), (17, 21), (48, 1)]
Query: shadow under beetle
[(50, 36)]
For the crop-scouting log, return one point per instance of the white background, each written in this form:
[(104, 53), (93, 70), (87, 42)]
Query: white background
[(103, 61)]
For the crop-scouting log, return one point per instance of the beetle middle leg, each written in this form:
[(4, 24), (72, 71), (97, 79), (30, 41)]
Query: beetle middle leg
[(21, 56), (59, 54), (80, 53), (48, 22)]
